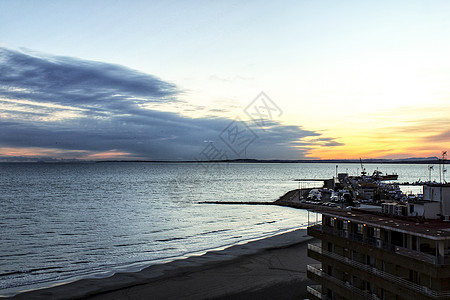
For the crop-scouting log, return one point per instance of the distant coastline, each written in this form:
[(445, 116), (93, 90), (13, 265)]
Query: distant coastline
[(413, 160), (428, 160)]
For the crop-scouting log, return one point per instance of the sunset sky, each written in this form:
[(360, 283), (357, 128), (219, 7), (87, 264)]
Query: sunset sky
[(182, 80)]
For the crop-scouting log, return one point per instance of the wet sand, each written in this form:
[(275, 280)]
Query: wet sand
[(271, 268)]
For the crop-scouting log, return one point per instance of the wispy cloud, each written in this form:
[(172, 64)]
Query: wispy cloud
[(441, 137), (87, 109)]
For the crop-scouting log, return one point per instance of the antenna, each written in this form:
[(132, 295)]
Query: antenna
[(430, 167), (444, 157)]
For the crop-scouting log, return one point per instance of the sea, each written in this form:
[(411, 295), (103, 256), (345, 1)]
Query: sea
[(60, 222)]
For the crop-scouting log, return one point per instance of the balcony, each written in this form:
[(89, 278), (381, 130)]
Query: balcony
[(355, 292), (372, 242), (389, 278), (316, 292)]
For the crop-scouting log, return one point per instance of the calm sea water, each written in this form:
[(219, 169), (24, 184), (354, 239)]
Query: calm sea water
[(60, 222)]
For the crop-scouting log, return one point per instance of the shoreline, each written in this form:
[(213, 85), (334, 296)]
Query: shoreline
[(170, 271)]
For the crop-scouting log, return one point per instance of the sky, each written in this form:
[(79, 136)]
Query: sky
[(200, 80)]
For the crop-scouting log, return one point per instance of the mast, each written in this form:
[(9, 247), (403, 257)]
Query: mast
[(363, 171)]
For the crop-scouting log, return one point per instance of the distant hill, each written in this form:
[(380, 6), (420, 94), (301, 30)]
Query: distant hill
[(420, 158), (411, 160)]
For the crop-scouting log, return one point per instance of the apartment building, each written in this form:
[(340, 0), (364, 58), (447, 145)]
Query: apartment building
[(367, 255)]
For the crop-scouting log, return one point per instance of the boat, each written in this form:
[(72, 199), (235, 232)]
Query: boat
[(378, 175)]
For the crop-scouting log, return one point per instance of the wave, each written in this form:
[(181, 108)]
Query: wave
[(130, 244), (37, 270), (268, 222), (106, 270), (171, 239), (213, 231)]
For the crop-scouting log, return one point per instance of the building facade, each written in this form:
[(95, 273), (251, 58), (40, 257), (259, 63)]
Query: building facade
[(365, 255)]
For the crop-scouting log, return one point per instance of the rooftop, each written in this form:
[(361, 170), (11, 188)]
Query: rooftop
[(436, 184), (433, 229)]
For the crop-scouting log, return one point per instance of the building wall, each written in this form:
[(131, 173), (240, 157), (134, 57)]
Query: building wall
[(440, 194), (432, 210), (416, 209), (341, 267), (432, 193), (445, 201)]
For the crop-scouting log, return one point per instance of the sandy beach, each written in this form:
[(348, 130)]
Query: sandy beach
[(269, 268)]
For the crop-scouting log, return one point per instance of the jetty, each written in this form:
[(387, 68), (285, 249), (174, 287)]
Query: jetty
[(290, 199)]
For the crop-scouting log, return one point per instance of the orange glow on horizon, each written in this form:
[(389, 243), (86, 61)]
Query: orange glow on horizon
[(112, 154), (392, 135), (36, 153), (381, 149)]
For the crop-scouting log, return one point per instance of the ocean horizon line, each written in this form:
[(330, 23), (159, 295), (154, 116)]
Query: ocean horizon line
[(412, 160)]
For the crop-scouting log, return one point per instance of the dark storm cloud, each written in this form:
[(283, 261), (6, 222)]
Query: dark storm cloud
[(76, 105), (70, 81)]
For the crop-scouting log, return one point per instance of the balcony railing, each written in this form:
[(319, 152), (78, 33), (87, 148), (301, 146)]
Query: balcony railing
[(428, 258), (389, 277), (315, 269), (316, 291)]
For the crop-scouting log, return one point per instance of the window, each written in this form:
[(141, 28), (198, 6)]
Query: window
[(376, 233), (340, 224), (330, 247), (328, 221), (397, 238), (370, 260), (347, 253), (413, 276), (359, 229), (371, 232), (414, 242)]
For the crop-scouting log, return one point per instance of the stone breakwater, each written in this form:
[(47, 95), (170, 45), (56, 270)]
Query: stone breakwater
[(290, 199)]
